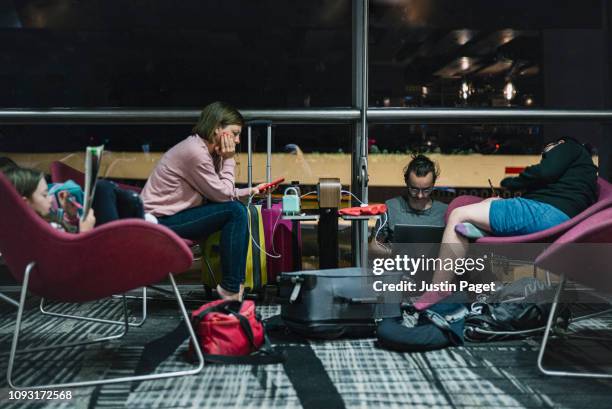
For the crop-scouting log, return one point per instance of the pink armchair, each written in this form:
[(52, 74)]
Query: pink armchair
[(88, 266), (583, 254), (545, 236), (60, 172)]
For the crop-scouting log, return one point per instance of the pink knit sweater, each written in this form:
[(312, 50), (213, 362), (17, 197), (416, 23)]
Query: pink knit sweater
[(186, 176)]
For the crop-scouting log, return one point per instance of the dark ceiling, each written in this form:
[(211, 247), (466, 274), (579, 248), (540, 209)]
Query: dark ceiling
[(269, 53)]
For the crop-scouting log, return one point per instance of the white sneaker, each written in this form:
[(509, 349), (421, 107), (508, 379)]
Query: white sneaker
[(150, 218), (228, 296)]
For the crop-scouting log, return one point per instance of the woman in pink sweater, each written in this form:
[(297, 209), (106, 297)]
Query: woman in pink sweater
[(192, 191)]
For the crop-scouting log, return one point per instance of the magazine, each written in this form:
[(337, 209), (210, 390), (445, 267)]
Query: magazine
[(93, 156)]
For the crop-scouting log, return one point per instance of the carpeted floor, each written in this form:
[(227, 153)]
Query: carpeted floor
[(317, 374)]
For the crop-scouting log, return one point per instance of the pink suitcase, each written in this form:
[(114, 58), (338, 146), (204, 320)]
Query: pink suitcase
[(282, 229), (282, 246)]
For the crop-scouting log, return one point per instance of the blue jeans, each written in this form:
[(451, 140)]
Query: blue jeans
[(112, 203), (231, 218), (518, 216)]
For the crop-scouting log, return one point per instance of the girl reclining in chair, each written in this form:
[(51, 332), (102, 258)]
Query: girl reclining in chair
[(110, 202), (561, 186)]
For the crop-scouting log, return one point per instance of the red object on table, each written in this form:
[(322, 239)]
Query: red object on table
[(369, 210)]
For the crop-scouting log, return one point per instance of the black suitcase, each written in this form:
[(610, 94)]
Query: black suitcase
[(336, 302)]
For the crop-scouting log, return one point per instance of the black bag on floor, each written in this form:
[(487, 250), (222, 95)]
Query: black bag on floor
[(438, 327), (517, 311), (336, 303), (504, 321)]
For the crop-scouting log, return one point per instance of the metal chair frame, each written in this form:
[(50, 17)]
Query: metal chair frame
[(137, 323), (550, 328), (14, 351), (9, 300)]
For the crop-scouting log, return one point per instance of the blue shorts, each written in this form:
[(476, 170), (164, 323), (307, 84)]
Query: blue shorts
[(518, 216)]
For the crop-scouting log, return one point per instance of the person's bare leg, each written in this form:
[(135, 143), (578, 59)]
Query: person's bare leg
[(454, 245)]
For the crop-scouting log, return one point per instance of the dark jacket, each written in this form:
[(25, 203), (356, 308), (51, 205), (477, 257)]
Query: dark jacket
[(565, 178)]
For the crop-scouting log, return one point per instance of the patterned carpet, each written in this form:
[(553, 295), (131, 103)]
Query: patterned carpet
[(330, 374)]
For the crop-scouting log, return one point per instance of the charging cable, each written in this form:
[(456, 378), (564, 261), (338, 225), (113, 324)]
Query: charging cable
[(384, 218), (382, 225), (356, 198), (275, 255), (309, 193), (271, 238)]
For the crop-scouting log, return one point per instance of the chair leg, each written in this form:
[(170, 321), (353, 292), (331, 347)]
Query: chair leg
[(211, 273), (103, 321), (549, 326), (15, 342), (18, 321), (9, 300)]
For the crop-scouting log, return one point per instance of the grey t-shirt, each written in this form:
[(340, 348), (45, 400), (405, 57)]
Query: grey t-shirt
[(399, 212)]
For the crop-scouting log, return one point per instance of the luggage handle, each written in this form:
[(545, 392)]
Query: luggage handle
[(259, 122), (360, 300), (268, 125), (296, 289)]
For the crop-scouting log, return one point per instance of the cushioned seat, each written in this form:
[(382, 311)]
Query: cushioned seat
[(87, 266), (60, 172), (604, 201)]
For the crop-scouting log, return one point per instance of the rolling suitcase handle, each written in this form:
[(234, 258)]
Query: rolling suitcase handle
[(268, 124), (295, 291), (359, 300), (259, 122)]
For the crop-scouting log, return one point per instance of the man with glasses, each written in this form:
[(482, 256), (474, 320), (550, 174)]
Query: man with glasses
[(415, 207)]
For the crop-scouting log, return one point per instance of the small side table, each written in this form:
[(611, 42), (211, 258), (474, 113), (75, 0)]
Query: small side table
[(363, 220)]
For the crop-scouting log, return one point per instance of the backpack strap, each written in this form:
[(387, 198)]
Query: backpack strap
[(221, 307), (246, 328), (225, 307)]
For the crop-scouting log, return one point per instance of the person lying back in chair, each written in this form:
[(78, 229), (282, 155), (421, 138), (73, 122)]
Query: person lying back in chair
[(110, 202), (561, 186)]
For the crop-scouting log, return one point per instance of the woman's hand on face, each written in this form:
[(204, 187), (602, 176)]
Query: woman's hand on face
[(88, 223), (226, 147)]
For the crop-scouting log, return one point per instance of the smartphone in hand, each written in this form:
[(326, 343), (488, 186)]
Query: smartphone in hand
[(271, 184)]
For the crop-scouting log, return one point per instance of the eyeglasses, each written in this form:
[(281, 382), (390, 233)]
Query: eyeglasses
[(414, 191)]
